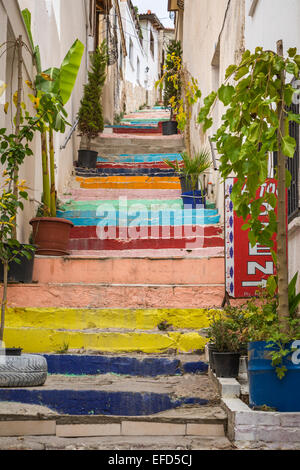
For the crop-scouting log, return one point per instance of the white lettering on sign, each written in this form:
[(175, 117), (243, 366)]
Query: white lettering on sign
[(259, 250), (296, 354), (267, 269), (262, 283)]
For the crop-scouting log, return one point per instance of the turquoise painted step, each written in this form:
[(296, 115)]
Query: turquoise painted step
[(136, 212), (140, 158), (146, 203), (173, 218)]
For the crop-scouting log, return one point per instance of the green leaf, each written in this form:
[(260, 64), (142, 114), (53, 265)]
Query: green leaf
[(230, 70), (226, 93), (69, 70), (288, 178), (241, 72), (288, 146), (27, 20), (292, 51)]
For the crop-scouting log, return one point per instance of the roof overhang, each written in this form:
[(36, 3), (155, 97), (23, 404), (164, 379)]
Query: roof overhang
[(103, 5), (152, 18), (175, 5)]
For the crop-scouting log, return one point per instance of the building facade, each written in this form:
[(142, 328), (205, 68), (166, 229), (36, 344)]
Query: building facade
[(55, 25), (214, 35)]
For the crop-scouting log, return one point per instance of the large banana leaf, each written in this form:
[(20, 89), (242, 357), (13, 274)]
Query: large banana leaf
[(61, 81), (69, 70), (27, 20)]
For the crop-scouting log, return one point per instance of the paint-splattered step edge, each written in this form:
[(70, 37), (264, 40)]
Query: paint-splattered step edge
[(103, 172), (129, 182), (106, 295), (140, 158), (147, 366), (44, 340), (181, 422)]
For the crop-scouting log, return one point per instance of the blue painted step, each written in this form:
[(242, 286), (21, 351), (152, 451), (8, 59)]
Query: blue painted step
[(124, 172), (86, 402), (140, 158), (98, 364), (174, 218)]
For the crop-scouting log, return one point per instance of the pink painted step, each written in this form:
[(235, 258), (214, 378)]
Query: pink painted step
[(79, 295), (177, 267), (82, 194)]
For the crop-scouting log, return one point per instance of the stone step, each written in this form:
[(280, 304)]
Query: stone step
[(97, 295), (138, 129), (116, 330), (157, 444), (130, 182), (117, 204), (202, 266), (139, 221), (141, 365), (142, 171), (140, 158), (77, 319), (40, 340), (95, 244), (140, 399), (83, 194), (107, 144)]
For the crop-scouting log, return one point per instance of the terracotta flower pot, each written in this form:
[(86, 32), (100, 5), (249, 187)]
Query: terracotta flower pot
[(51, 235)]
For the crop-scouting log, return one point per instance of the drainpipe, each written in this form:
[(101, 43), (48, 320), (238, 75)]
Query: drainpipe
[(86, 12)]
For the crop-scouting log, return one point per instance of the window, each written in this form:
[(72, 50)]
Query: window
[(152, 43), (131, 52), (293, 167), (138, 70)]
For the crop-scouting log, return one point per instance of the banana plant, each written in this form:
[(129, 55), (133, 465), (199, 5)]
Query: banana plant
[(54, 87)]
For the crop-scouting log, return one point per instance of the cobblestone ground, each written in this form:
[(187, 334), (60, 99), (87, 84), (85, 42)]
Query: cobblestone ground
[(115, 443)]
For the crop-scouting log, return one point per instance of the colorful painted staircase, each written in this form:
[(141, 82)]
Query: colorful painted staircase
[(133, 246), (142, 276)]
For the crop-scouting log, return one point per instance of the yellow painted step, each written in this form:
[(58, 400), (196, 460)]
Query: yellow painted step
[(106, 330), (42, 340), (80, 319)]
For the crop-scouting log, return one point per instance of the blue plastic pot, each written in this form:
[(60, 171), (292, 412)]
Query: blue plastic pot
[(193, 199), (265, 388)]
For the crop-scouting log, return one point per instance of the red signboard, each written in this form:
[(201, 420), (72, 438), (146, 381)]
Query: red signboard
[(247, 268)]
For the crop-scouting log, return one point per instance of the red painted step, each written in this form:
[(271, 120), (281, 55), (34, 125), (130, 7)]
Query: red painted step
[(175, 232), (144, 243)]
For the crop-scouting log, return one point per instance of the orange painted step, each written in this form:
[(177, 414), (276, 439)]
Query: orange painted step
[(129, 182)]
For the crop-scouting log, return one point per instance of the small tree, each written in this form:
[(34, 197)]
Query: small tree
[(90, 114), (256, 124), (171, 77)]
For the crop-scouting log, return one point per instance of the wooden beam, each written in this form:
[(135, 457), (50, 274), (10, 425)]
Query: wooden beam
[(253, 7)]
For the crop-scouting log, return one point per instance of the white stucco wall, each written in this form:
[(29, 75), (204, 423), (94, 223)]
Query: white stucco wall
[(56, 25), (273, 20)]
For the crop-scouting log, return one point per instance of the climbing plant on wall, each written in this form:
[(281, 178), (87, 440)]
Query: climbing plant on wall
[(256, 95)]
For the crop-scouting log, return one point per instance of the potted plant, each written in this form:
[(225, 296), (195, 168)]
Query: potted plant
[(273, 354), (227, 336), (53, 88), (171, 84), (90, 115), (256, 124), (189, 171)]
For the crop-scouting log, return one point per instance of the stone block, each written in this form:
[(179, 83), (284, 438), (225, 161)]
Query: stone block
[(143, 428), (27, 428), (88, 430), (203, 429)]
